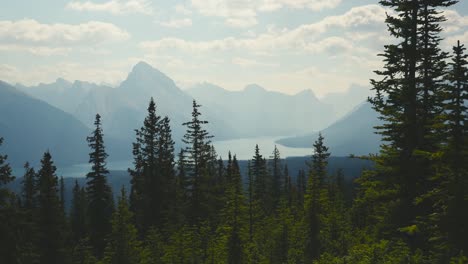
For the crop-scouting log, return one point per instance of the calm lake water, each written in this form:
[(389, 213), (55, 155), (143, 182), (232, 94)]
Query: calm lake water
[(243, 148)]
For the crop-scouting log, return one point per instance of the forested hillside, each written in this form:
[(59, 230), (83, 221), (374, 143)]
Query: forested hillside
[(190, 206)]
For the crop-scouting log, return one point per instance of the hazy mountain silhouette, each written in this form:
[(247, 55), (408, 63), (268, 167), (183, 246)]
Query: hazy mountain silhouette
[(344, 102), (30, 127), (353, 134), (258, 112)]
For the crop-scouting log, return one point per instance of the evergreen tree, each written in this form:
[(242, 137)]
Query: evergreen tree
[(275, 168), (78, 213), (450, 193), (198, 149), (29, 191), (153, 190), (50, 214), (62, 193), (234, 215), (316, 202), (261, 182), (408, 99), (123, 246), (167, 171), (99, 193), (8, 214), (28, 214)]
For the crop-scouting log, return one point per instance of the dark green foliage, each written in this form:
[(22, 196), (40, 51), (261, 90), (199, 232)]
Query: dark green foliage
[(153, 192), (316, 200), (50, 217), (78, 213), (99, 193), (198, 156), (123, 246), (410, 208)]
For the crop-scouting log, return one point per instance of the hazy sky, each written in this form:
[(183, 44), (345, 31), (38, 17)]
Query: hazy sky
[(283, 45)]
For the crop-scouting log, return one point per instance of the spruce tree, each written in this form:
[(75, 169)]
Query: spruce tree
[(316, 199), (153, 191), (166, 164), (8, 214), (29, 191), (99, 193), (276, 173), (234, 215), (123, 246), (261, 182), (408, 99), (50, 216), (198, 141), (450, 203), (78, 213)]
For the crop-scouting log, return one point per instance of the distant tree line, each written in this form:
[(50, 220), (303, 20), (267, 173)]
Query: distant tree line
[(193, 207)]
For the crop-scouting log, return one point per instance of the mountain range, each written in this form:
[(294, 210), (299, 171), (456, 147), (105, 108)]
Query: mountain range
[(352, 134), (60, 115)]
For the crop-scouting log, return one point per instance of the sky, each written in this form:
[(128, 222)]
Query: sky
[(282, 45)]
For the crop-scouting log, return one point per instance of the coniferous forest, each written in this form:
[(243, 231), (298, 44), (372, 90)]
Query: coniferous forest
[(194, 207)]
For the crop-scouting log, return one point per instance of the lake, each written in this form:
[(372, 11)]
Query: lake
[(243, 148)]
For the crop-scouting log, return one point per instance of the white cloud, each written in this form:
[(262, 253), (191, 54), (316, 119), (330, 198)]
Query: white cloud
[(177, 23), (115, 7), (183, 10), (55, 39), (455, 21), (303, 38), (29, 31), (243, 13), (243, 62)]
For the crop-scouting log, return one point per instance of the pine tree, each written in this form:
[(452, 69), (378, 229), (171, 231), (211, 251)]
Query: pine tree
[(8, 214), (167, 172), (5, 178), (123, 246), (78, 213), (316, 199), (450, 199), (50, 214), (198, 149), (153, 191), (62, 193), (28, 214), (261, 182), (181, 185), (275, 168), (29, 191), (99, 193), (234, 215), (408, 99)]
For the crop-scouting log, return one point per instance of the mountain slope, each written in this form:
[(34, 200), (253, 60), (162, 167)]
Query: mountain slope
[(353, 134), (258, 112), (30, 126)]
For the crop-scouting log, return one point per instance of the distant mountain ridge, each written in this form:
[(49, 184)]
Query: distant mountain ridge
[(30, 127), (352, 134), (266, 113), (251, 112)]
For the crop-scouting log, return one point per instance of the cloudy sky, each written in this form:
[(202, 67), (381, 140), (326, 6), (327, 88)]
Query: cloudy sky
[(283, 45)]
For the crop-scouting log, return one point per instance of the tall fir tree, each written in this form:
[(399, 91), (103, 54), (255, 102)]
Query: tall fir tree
[(198, 141), (409, 101), (50, 216), (99, 193), (123, 246), (450, 199), (316, 199), (78, 213), (29, 190), (261, 182), (276, 177)]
